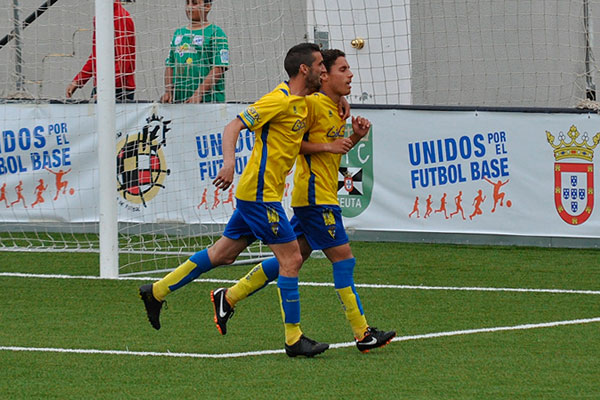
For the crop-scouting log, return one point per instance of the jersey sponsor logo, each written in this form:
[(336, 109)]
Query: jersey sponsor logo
[(224, 53), (178, 39), (355, 176), (573, 181), (335, 132), (141, 163), (299, 125)]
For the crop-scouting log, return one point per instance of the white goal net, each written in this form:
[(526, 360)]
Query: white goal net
[(512, 53)]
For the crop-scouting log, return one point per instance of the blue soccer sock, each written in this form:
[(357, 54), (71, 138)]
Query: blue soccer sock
[(289, 297), (343, 279)]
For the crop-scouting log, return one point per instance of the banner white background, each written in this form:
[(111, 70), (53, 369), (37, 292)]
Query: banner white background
[(409, 149), (529, 172)]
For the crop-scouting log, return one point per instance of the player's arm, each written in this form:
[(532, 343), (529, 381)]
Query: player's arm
[(207, 85), (231, 133), (338, 146), (360, 128)]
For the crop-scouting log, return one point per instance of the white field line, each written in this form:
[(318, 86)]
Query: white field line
[(280, 351), (363, 285)]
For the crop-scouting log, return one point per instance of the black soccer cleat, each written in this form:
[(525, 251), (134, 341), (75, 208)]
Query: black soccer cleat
[(373, 339), (223, 310), (305, 347), (152, 305)]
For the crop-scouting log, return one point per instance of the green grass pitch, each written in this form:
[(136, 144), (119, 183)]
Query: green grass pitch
[(415, 289)]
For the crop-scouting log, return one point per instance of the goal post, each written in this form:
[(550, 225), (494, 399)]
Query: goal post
[(105, 126)]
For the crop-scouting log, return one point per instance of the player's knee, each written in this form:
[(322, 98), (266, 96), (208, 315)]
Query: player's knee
[(294, 261), (291, 263), (297, 260), (220, 256)]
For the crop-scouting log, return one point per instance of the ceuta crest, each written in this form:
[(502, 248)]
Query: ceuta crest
[(574, 181)]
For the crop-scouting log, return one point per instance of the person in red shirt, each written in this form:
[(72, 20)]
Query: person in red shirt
[(124, 58)]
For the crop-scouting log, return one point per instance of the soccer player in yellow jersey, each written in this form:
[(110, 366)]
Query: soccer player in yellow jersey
[(278, 120), (317, 217)]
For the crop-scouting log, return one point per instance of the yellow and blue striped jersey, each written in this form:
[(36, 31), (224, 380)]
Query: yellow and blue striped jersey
[(278, 121), (316, 178)]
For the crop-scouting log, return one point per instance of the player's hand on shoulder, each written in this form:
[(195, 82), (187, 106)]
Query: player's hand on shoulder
[(224, 178), (343, 108)]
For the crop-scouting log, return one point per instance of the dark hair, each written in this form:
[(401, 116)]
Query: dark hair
[(330, 56), (299, 54), (204, 1)]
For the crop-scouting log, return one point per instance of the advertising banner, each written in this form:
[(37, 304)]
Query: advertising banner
[(482, 172), (504, 173)]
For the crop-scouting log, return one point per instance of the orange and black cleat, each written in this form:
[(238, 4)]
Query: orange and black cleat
[(223, 310), (373, 339)]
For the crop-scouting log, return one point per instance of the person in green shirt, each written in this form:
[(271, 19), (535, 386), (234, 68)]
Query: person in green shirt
[(198, 59)]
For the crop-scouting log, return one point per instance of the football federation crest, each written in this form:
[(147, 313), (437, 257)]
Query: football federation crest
[(355, 176), (141, 164), (574, 181)]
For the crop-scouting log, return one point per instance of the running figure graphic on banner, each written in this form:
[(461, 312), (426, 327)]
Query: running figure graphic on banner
[(477, 201), (442, 208), (39, 190), (459, 209), (19, 191)]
